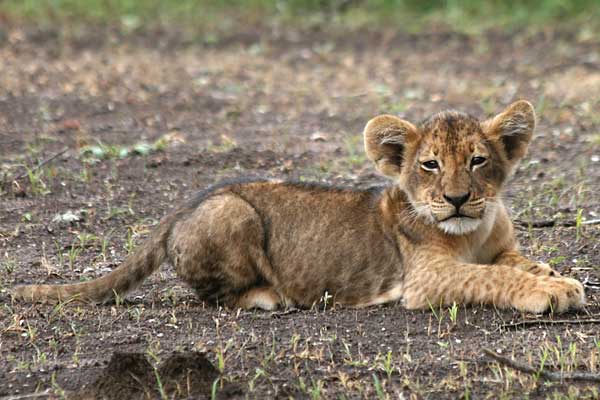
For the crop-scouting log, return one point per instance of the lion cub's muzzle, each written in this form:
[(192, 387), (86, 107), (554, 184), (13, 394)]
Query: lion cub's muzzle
[(457, 206)]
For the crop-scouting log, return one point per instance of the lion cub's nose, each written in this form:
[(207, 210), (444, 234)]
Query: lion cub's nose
[(457, 201)]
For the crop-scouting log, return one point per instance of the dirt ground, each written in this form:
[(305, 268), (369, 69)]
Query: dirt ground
[(128, 127)]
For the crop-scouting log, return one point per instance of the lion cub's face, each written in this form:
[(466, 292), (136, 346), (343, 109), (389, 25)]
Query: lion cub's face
[(454, 176), (451, 166)]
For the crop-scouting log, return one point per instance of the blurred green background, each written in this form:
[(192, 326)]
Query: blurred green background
[(470, 16)]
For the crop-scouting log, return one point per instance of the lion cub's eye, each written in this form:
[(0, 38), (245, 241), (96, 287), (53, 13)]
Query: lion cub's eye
[(430, 165), (475, 161)]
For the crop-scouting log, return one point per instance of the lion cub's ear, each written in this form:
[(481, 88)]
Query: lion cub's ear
[(385, 139), (513, 128)]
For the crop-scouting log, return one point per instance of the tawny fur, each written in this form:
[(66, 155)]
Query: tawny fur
[(263, 244)]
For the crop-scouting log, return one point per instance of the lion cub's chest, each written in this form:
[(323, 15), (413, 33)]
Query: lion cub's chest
[(481, 246)]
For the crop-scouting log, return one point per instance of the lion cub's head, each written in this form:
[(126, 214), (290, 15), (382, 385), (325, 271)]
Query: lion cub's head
[(451, 166)]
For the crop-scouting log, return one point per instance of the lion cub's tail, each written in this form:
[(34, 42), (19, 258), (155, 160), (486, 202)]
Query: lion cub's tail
[(139, 265)]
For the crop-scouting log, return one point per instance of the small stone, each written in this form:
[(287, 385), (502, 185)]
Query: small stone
[(71, 125), (318, 137)]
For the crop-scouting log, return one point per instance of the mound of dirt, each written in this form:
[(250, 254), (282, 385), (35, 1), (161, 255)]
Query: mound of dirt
[(188, 374), (131, 376)]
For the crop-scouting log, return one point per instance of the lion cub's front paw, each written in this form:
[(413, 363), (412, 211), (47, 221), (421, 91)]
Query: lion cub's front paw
[(550, 294), (541, 269)]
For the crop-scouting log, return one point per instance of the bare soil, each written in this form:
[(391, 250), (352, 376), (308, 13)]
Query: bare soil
[(91, 107)]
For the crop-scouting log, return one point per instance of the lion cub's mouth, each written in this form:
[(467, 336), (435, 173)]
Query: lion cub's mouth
[(459, 222), (457, 215)]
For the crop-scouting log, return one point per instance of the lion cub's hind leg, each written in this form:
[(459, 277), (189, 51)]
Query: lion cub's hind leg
[(218, 250)]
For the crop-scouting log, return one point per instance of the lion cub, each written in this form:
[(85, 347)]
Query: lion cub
[(439, 234)]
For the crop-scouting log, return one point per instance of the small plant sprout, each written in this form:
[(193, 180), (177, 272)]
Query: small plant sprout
[(439, 316), (104, 244), (220, 360), (85, 174), (9, 264), (118, 299), (173, 319), (465, 374), (378, 388), (161, 389), (151, 351), (75, 357), (214, 389), (325, 299), (40, 357), (129, 244), (302, 385), (58, 391), (388, 364), (294, 341), (58, 309), (556, 260), (72, 254), (348, 358), (59, 254), (135, 313), (268, 357), (578, 224), (38, 186), (130, 204), (453, 312), (316, 389), (259, 373), (54, 347), (559, 354), (543, 358), (573, 353), (86, 238), (31, 333), (221, 351)]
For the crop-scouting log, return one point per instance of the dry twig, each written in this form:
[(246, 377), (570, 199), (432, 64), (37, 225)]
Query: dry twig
[(549, 223), (40, 165), (45, 393), (526, 322), (551, 376)]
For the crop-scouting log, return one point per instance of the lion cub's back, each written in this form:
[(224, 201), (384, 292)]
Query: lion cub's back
[(320, 238)]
